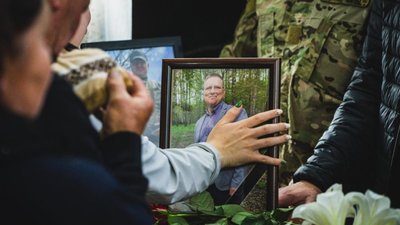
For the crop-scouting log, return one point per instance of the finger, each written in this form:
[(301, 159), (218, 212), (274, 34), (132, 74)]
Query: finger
[(139, 90), (138, 87), (270, 128), (230, 115), (115, 84), (261, 117), (271, 141), (291, 195)]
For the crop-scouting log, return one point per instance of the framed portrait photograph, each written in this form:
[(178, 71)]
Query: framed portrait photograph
[(197, 92), (252, 81), (144, 58)]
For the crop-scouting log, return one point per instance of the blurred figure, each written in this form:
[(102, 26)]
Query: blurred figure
[(80, 32), (40, 186), (361, 147), (319, 42), (140, 66)]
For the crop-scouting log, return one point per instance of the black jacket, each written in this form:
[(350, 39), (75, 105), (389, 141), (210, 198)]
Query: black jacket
[(360, 147), (64, 129)]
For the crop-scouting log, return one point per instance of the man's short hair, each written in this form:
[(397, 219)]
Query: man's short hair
[(208, 76), (137, 55)]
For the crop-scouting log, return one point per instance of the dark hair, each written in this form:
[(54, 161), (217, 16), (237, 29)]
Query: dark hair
[(16, 16)]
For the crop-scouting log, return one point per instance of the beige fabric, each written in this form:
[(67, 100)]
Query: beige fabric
[(87, 70)]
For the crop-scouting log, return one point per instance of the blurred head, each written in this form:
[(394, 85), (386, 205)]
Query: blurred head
[(65, 19), (139, 64), (24, 56), (213, 90), (81, 31)]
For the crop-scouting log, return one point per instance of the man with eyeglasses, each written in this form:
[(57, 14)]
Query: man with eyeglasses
[(228, 180)]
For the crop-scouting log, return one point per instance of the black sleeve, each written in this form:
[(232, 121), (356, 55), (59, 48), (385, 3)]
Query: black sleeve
[(65, 125), (64, 191), (122, 156), (344, 152)]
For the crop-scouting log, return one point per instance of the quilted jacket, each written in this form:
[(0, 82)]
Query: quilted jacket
[(360, 148)]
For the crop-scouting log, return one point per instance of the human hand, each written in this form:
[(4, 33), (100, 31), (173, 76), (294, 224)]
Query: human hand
[(238, 142), (232, 191), (126, 111), (298, 193)]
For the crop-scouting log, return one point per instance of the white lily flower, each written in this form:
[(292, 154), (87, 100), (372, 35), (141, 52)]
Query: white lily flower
[(372, 209), (331, 208)]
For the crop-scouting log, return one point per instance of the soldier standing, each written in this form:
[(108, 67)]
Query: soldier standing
[(319, 42), (139, 66)]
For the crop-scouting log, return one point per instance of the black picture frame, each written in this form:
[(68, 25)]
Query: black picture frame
[(155, 49), (172, 67)]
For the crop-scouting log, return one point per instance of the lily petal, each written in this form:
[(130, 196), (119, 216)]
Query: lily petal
[(372, 209), (329, 209)]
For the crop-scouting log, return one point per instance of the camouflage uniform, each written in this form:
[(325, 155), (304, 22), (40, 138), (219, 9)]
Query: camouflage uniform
[(139, 66), (152, 130), (319, 42)]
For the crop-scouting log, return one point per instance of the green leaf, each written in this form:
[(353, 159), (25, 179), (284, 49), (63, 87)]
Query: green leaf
[(232, 209), (281, 214), (219, 210), (272, 222), (202, 202), (254, 221), (223, 221), (173, 220), (262, 184), (267, 215), (240, 217)]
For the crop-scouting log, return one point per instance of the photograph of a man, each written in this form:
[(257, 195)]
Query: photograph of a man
[(139, 64), (229, 179)]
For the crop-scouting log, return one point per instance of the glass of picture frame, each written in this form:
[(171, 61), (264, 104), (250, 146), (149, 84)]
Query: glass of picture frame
[(144, 56), (253, 81)]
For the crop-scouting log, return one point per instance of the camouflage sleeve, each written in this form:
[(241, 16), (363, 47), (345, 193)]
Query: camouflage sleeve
[(344, 152), (244, 43)]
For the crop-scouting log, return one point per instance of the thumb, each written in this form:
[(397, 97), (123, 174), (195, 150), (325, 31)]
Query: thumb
[(231, 115), (284, 200), (115, 84)]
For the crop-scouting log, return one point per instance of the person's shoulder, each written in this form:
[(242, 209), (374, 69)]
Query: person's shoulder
[(202, 116), (200, 119)]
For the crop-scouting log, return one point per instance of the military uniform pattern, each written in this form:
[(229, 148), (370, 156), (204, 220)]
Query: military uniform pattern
[(318, 42), (152, 130)]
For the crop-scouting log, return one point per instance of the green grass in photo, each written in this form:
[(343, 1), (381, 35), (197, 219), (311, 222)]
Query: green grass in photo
[(182, 135)]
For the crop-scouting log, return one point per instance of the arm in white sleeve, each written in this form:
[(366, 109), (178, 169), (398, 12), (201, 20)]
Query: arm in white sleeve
[(176, 174)]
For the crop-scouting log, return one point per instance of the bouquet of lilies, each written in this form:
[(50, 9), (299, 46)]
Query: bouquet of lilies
[(333, 208)]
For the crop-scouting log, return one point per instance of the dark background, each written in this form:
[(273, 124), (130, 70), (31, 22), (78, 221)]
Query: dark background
[(204, 26)]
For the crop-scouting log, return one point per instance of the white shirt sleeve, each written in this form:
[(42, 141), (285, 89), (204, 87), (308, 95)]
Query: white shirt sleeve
[(176, 174)]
